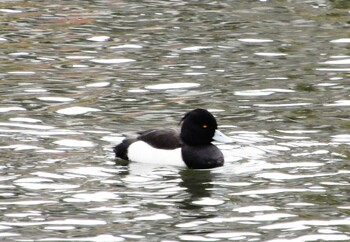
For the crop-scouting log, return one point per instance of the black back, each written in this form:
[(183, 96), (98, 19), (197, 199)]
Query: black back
[(168, 139)]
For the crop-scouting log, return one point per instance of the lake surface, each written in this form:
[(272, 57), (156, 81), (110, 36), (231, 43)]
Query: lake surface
[(76, 75)]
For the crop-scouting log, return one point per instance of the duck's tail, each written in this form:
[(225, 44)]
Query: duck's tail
[(121, 150)]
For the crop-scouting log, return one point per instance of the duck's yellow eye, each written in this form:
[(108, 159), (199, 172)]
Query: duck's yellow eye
[(204, 126)]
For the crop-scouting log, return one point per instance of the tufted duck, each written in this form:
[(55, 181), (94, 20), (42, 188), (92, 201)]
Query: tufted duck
[(190, 147)]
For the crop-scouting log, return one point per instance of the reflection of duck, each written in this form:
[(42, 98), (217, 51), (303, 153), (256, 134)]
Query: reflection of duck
[(190, 147), (197, 184)]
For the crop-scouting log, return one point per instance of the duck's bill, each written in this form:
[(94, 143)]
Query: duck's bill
[(220, 137)]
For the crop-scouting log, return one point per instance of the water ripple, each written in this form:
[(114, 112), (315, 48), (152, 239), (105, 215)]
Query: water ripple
[(341, 41), (10, 109), (98, 238), (74, 143), (207, 201), (77, 110), (168, 86), (101, 38), (159, 216), (56, 99), (303, 224), (232, 235), (76, 75), (92, 197), (262, 92), (127, 46), (271, 191), (256, 41), (111, 61)]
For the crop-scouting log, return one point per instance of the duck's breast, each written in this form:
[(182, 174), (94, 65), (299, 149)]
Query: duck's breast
[(202, 157)]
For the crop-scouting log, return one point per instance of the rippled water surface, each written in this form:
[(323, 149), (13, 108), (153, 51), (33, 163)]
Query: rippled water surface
[(76, 75)]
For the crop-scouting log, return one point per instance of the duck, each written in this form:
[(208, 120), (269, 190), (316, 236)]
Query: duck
[(190, 146)]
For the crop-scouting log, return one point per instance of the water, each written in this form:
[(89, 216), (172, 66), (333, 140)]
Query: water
[(76, 75)]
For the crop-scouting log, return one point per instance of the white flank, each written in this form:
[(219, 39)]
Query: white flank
[(142, 152)]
